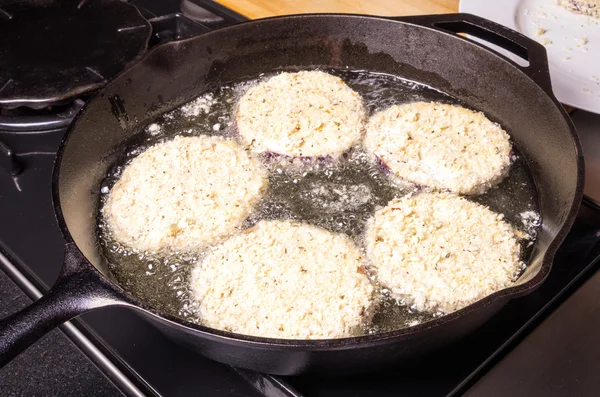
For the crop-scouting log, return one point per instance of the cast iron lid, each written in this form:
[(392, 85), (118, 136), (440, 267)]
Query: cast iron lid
[(54, 50)]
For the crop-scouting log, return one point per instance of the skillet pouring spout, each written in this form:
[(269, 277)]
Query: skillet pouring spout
[(79, 289)]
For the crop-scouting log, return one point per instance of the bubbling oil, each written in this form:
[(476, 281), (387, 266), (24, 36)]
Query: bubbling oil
[(339, 195)]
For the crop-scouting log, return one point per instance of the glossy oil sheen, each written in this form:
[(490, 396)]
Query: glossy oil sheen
[(424, 49), (339, 195)]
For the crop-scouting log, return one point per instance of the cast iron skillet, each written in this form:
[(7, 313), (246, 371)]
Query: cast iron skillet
[(424, 49)]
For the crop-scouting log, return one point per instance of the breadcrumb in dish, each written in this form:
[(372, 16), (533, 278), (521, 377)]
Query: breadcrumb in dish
[(183, 194), (582, 41), (441, 252), (442, 146), (309, 113), (284, 279)]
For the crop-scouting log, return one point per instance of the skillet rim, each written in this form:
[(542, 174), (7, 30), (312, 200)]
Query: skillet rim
[(382, 338)]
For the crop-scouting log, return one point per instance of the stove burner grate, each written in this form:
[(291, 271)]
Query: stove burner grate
[(65, 48)]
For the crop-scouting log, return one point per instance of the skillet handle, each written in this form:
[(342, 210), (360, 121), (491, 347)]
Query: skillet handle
[(494, 33), (79, 288)]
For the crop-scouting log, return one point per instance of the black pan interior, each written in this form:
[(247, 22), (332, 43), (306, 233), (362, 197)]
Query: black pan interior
[(177, 72)]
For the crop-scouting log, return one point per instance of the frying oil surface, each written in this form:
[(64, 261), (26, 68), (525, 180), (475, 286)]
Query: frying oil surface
[(338, 195)]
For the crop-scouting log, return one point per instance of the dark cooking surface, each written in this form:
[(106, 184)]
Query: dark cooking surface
[(530, 369), (174, 371), (451, 369), (141, 93), (26, 201), (65, 48), (29, 234), (54, 366)]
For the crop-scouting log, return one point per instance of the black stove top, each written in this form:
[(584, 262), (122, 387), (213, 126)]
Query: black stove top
[(124, 354), (65, 48)]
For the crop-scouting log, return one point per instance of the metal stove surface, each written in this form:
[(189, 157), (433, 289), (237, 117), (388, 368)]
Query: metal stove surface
[(588, 127), (127, 355), (31, 242), (61, 48)]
